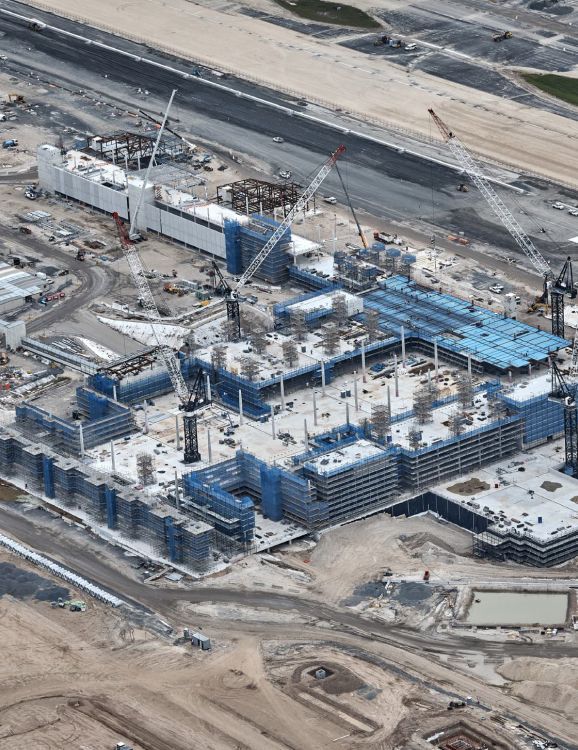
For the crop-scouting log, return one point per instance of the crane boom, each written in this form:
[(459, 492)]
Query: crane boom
[(357, 224), (137, 272), (493, 199), (150, 166), (288, 220)]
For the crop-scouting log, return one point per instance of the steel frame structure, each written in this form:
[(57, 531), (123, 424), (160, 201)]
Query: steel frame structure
[(252, 196)]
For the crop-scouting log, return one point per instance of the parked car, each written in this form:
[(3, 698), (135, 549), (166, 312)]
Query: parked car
[(278, 139)]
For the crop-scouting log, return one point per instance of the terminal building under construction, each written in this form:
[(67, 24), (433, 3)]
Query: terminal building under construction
[(490, 408)]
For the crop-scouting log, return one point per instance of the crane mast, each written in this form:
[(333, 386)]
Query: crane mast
[(137, 273), (288, 220), (196, 396), (232, 298), (492, 198)]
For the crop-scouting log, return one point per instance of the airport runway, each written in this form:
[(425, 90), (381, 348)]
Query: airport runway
[(386, 184)]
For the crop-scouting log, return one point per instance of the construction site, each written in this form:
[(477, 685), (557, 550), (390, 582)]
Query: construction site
[(288, 457)]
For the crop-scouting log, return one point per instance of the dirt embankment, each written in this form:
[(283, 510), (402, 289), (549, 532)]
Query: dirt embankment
[(545, 682)]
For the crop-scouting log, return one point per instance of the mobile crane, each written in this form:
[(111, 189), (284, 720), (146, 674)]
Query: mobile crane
[(554, 287), (357, 224)]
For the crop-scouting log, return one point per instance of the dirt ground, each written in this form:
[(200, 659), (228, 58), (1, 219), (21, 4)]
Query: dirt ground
[(323, 71), (544, 682), (94, 678)]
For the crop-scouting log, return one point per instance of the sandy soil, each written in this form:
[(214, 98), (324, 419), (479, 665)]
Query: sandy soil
[(321, 71), (545, 682), (95, 678)]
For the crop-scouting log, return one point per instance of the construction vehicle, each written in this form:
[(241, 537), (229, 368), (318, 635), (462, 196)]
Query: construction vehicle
[(463, 188), (387, 41), (16, 98), (191, 399), (35, 25), (426, 576), (232, 293), (25, 230), (10, 143), (357, 224), (80, 255), (172, 289), (500, 36)]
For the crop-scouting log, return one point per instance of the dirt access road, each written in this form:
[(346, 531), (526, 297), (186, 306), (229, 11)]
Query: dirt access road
[(419, 655), (95, 281)]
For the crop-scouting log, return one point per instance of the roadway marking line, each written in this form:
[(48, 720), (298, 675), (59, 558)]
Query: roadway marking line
[(291, 112)]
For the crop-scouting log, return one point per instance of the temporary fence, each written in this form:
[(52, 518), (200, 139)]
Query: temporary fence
[(61, 572)]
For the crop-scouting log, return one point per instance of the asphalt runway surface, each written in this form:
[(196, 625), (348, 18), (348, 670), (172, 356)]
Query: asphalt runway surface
[(383, 182)]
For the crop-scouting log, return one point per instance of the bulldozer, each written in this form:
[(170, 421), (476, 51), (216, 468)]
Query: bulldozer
[(500, 36)]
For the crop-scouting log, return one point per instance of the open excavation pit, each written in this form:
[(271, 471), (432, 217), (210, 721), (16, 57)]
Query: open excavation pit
[(518, 608)]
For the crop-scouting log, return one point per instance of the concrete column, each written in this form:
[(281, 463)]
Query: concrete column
[(395, 376), (177, 493), (470, 365), (429, 378), (402, 333), (282, 392), (346, 413), (209, 446), (322, 377), (510, 376), (177, 433), (529, 369), (209, 394), (112, 456), (436, 359), (273, 422), (114, 396), (81, 437), (355, 394), (315, 408), (240, 406), (389, 399), (146, 417), (305, 435), (363, 374)]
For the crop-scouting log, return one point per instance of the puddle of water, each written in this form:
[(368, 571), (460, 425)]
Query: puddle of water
[(517, 608)]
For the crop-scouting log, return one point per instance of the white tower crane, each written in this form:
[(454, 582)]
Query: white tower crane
[(192, 398), (232, 294)]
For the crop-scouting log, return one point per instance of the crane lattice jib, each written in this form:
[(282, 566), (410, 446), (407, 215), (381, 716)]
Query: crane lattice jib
[(493, 199), (137, 272), (288, 220)]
